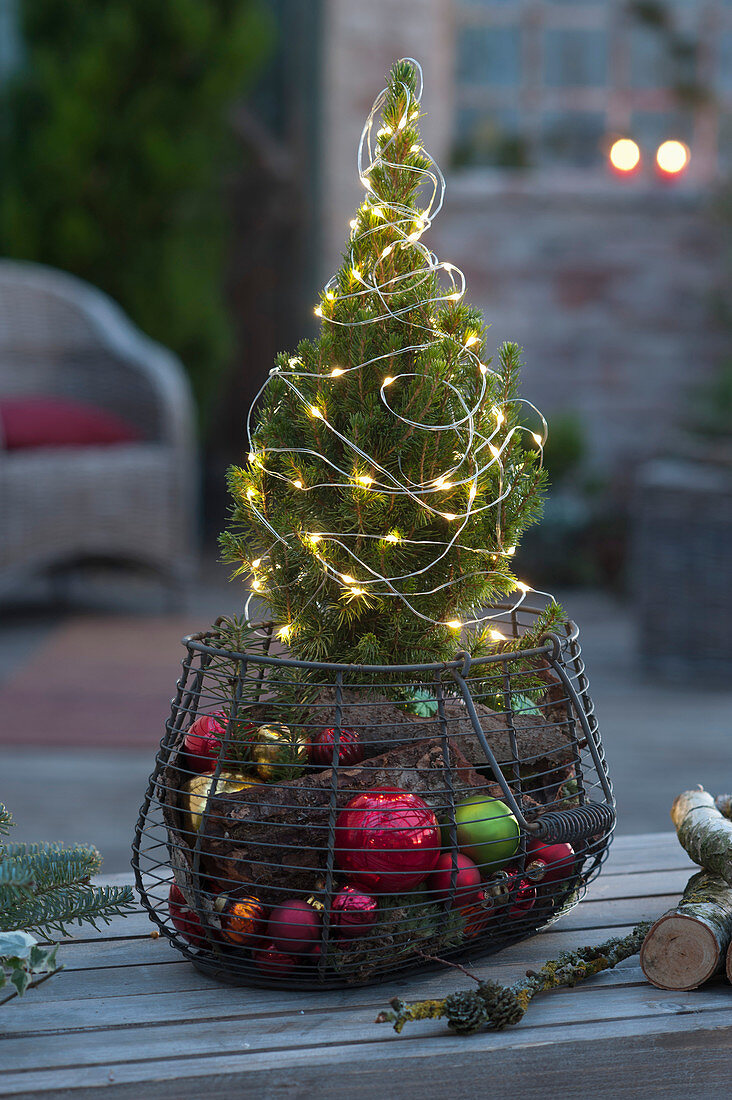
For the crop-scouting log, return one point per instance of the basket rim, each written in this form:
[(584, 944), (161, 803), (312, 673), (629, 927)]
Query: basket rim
[(197, 642)]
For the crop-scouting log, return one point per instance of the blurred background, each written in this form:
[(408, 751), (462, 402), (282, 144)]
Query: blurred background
[(195, 161)]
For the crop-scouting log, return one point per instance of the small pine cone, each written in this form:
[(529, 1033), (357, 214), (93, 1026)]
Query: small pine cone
[(465, 1012), (501, 1006)]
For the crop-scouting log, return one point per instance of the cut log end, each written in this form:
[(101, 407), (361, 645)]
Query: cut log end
[(679, 952)]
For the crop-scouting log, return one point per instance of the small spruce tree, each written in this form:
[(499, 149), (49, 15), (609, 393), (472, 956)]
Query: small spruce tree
[(390, 474)]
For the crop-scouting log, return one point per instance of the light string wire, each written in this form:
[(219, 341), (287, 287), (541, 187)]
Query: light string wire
[(481, 450)]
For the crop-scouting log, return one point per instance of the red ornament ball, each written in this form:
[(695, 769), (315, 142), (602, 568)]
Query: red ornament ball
[(524, 897), (353, 913), (467, 884), (350, 749), (185, 919), (294, 926), (549, 862), (273, 961), (202, 743), (387, 840)]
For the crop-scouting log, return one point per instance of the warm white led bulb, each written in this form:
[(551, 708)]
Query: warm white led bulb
[(315, 411), (256, 563), (251, 493), (388, 380), (454, 624), (522, 587), (497, 636), (392, 537), (337, 372), (448, 515), (348, 579), (537, 439), (494, 450), (318, 311), (297, 483)]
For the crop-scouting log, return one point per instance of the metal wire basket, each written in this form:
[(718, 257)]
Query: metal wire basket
[(219, 856)]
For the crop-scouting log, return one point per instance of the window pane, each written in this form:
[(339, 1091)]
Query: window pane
[(488, 55), (650, 128), (575, 58), (724, 74), (573, 138), (491, 138)]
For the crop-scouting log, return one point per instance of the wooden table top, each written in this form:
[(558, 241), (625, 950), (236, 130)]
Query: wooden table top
[(128, 1017)]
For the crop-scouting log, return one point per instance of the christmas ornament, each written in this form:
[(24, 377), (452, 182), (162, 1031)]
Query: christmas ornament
[(487, 831), (277, 752), (196, 792), (548, 862), (183, 917), (350, 749), (523, 900), (467, 883), (353, 913), (273, 961), (294, 926), (243, 920), (478, 915), (387, 840), (202, 743)]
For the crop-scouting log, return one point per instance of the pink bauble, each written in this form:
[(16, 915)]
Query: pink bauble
[(273, 961), (294, 926), (549, 862), (185, 919), (467, 884), (387, 840), (350, 749), (353, 913), (202, 743)]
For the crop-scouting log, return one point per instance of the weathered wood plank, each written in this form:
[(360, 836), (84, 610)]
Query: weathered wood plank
[(195, 1031), (157, 1006), (579, 1058)]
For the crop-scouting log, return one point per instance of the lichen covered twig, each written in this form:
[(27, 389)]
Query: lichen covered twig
[(497, 1006)]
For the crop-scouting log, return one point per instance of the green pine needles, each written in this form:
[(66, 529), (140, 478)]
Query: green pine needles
[(391, 469), (44, 888)]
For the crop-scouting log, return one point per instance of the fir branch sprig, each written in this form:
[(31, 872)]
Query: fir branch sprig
[(45, 888)]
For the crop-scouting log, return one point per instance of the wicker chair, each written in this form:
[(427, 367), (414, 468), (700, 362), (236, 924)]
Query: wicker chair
[(132, 504)]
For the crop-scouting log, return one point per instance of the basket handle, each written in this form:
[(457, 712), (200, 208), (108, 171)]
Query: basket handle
[(577, 823)]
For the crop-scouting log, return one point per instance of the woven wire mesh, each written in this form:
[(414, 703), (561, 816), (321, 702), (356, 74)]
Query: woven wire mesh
[(518, 727)]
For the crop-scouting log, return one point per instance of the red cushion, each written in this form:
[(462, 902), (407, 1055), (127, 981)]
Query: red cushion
[(55, 422)]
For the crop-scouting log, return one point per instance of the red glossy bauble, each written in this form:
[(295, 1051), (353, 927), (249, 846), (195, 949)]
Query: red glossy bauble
[(294, 927), (479, 915), (202, 743), (353, 913), (467, 884), (273, 961), (387, 840), (524, 897), (350, 749), (184, 918), (549, 862)]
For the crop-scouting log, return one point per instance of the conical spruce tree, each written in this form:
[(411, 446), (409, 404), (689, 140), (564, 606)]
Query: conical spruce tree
[(390, 472)]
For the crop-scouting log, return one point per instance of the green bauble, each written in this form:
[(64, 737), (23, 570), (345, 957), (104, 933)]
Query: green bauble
[(487, 831)]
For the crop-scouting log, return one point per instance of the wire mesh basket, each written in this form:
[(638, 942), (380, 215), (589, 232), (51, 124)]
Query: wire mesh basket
[(320, 825)]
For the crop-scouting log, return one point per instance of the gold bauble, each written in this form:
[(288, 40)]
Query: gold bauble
[(278, 753), (196, 792)]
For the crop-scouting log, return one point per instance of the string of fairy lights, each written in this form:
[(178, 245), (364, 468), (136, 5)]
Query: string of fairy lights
[(477, 451)]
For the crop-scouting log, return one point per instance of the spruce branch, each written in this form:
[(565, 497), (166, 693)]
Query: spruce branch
[(498, 1006)]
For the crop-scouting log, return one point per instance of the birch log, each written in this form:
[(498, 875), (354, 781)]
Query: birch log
[(704, 832), (689, 944)]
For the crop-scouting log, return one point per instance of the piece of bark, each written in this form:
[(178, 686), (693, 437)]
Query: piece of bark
[(689, 944), (728, 967), (275, 835), (381, 725), (704, 832)]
